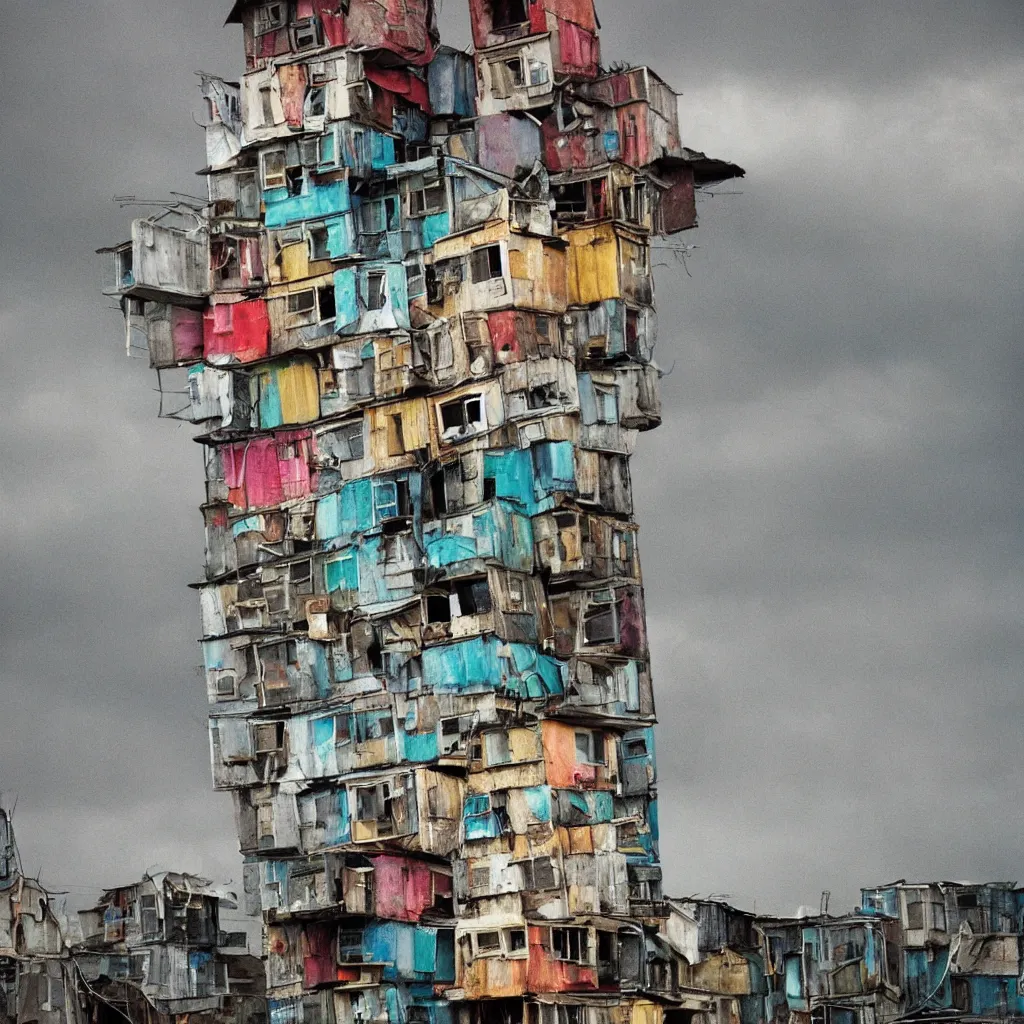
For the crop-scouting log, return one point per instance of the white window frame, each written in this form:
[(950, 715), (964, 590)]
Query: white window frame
[(504, 950), (469, 427), (278, 180)]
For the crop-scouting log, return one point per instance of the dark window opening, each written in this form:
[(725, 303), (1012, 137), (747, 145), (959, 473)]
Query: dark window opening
[(571, 201), (326, 298), (543, 397), (293, 176), (438, 494), (439, 608), (474, 597), (507, 13)]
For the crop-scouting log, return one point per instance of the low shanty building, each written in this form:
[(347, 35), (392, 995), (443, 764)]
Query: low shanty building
[(154, 950)]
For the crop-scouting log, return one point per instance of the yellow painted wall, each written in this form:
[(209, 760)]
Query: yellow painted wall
[(593, 265), (415, 432)]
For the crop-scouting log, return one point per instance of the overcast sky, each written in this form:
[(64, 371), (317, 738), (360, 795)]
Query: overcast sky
[(831, 525)]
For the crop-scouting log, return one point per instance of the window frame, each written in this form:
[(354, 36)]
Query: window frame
[(596, 754), (424, 208), (280, 179), (269, 25), (469, 427), (476, 258)]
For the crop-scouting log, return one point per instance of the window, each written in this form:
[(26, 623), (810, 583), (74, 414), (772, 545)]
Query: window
[(302, 308), (454, 732), (270, 17), (508, 13), (633, 331), (372, 217), (342, 573), (320, 72), (471, 598), (601, 619), (305, 34), (373, 725), (138, 964), (639, 260), (326, 149), (603, 678), (274, 166), (636, 748), (506, 942), (293, 180), (590, 748), (633, 203), (939, 917), (388, 499), (915, 908), (485, 264), (437, 493), (226, 685), (318, 244), (480, 880), (514, 591), (353, 436), (269, 737), (622, 551), (572, 944), (438, 608), (463, 416), (372, 802), (538, 72), (149, 917), (544, 396), (325, 303), (607, 403), (497, 748), (427, 200), (350, 945), (376, 290), (571, 201), (247, 203), (538, 874), (509, 74), (415, 278), (316, 102)]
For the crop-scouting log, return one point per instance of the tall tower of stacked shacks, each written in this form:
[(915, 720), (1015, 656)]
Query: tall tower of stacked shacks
[(416, 323)]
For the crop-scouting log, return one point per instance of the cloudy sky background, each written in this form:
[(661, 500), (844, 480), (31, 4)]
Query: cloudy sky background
[(830, 513)]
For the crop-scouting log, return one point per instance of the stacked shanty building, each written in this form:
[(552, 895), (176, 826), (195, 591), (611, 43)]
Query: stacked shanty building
[(415, 321)]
